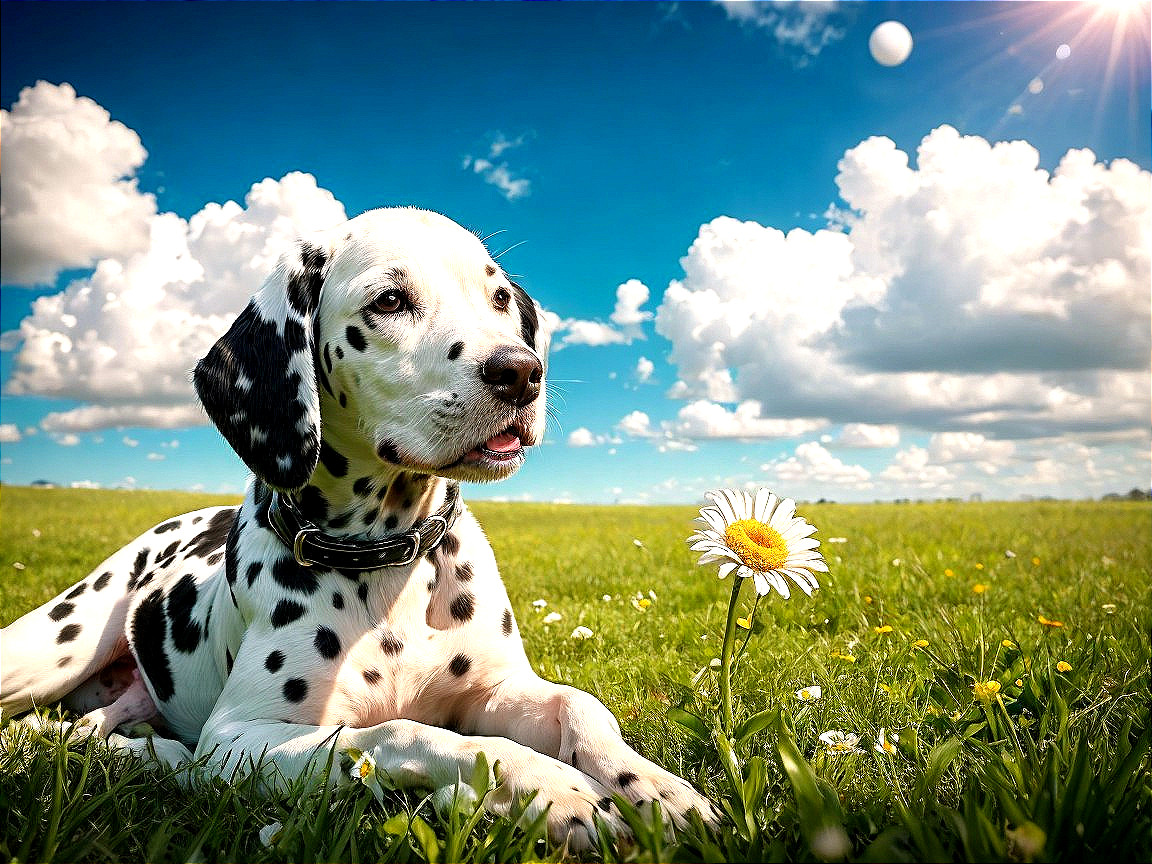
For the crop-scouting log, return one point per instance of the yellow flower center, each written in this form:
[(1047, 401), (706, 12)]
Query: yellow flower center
[(985, 690), (365, 769), (759, 546)]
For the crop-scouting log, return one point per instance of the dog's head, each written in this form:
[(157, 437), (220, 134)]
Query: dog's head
[(394, 337)]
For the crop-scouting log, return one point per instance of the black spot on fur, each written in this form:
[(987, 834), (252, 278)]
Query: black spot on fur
[(77, 591), (339, 353), (228, 661), (213, 560), (627, 778), (343, 400), (304, 284), (577, 822), (463, 607), (407, 504), (338, 522), (149, 627), (286, 612), (335, 462), (456, 350), (164, 559), (295, 689), (313, 504), (262, 499), (391, 522), (289, 573), (506, 622), (337, 600), (460, 665), (67, 634), (327, 642), (362, 486), (464, 571), (529, 323), (274, 661), (181, 599), (490, 269), (371, 676), (63, 661), (604, 804), (214, 535), (390, 644), (253, 572), (167, 526), (450, 544), (61, 611), (362, 592), (388, 452), (253, 349), (138, 568), (327, 358), (574, 760), (232, 553), (101, 581), (355, 338), (295, 339)]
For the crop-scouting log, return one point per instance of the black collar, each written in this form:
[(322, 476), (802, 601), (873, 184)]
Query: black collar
[(312, 547)]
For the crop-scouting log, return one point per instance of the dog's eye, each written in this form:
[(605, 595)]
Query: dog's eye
[(392, 300), (502, 298)]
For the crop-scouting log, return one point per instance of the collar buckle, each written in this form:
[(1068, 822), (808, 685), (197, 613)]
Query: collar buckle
[(298, 546)]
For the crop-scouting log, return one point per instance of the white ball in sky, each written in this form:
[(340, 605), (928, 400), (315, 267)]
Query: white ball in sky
[(890, 43)]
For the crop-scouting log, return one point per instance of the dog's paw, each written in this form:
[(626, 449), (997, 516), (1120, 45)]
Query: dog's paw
[(573, 801), (641, 782)]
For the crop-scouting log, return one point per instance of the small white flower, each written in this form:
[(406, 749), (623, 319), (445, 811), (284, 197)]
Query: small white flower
[(1109, 608), (837, 539), (581, 633), (1008, 553), (539, 604), (841, 742), (758, 537), (607, 598), (809, 694), (637, 543), (896, 562), (363, 770), (714, 662), (884, 743), (270, 833), (551, 617), (652, 594), (18, 565)]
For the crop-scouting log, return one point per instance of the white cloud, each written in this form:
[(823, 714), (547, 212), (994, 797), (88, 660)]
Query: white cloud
[(866, 435), (499, 174), (69, 195), (704, 419), (9, 433), (1042, 280), (67, 440), (582, 437), (644, 369), (637, 424), (813, 472), (802, 30), (84, 484), (627, 318), (124, 340), (129, 442), (155, 457)]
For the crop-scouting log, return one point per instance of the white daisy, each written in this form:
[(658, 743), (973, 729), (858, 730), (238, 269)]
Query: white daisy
[(841, 742), (761, 538), (363, 770), (885, 742), (809, 694), (551, 618), (581, 633)]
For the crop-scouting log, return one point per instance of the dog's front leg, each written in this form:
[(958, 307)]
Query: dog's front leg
[(415, 755), (576, 728)]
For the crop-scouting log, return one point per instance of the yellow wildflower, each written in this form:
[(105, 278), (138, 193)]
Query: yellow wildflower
[(1063, 667), (1036, 561), (1047, 622), (847, 658), (979, 566), (949, 572), (1019, 682), (887, 628), (979, 588), (867, 598), (1008, 643), (744, 622), (985, 690), (920, 643)]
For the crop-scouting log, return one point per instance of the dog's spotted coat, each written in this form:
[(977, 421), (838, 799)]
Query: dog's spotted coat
[(379, 362)]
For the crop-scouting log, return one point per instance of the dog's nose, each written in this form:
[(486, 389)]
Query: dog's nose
[(513, 374)]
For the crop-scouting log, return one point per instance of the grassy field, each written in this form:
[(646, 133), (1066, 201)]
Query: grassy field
[(924, 606)]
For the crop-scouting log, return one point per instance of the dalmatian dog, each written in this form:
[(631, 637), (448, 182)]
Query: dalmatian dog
[(351, 600)]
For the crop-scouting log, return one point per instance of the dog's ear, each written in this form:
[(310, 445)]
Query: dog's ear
[(258, 383), (536, 323)]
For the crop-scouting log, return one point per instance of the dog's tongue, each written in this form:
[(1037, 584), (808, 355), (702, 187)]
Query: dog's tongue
[(505, 442)]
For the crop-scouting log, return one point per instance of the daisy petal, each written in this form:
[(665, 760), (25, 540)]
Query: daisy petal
[(760, 507), (782, 518)]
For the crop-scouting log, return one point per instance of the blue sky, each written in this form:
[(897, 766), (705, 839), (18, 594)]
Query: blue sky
[(772, 259)]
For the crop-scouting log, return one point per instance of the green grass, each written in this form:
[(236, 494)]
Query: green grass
[(1057, 768)]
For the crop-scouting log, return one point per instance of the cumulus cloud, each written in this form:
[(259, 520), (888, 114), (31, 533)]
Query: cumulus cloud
[(971, 293), (866, 435), (811, 466), (626, 320), (581, 437), (636, 424), (123, 340), (499, 174), (644, 369), (69, 195), (9, 433), (704, 419), (801, 30)]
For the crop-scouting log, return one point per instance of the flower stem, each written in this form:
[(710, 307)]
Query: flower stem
[(726, 657)]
